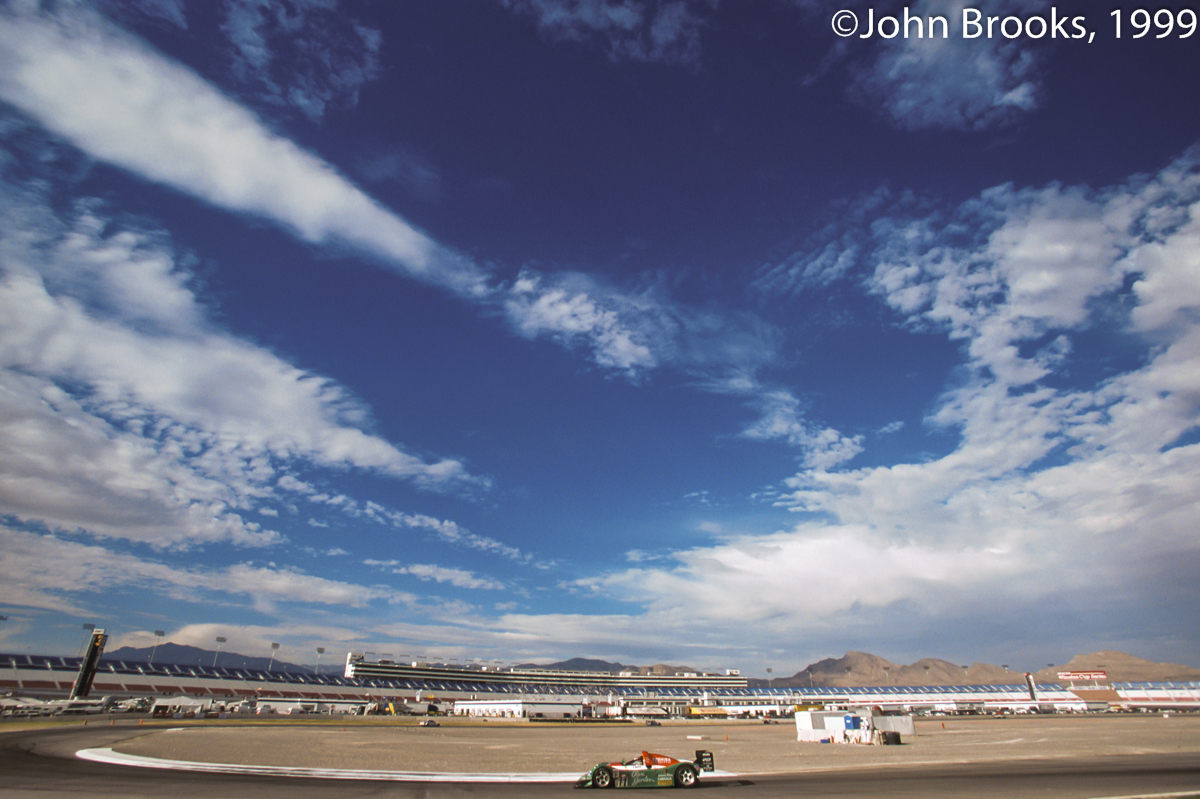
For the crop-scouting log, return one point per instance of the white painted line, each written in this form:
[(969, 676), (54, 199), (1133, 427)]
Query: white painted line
[(1154, 795), (107, 755)]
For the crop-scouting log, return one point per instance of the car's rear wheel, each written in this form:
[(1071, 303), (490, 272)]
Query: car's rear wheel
[(602, 777), (685, 776)]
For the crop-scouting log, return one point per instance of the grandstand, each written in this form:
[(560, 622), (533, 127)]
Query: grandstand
[(52, 676)]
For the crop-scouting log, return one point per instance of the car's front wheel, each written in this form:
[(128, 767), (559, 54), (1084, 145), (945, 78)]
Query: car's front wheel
[(685, 776), (602, 777)]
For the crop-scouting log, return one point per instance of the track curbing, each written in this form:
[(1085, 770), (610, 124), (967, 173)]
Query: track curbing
[(112, 757)]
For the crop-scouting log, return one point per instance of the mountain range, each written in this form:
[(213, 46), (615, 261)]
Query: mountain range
[(183, 655), (861, 668)]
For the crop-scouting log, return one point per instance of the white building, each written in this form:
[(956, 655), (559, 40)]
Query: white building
[(527, 707), (858, 726)]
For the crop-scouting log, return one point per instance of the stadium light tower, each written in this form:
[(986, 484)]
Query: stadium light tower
[(320, 651), (220, 640), (158, 634), (271, 662)]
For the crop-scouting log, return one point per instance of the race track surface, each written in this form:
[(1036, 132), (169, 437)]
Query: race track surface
[(1065, 757)]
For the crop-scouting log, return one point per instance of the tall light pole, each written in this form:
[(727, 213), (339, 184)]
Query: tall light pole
[(320, 651), (158, 634), (274, 649), (89, 628), (16, 675), (220, 640)]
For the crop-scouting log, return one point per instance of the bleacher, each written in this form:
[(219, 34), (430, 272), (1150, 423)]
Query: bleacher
[(53, 675)]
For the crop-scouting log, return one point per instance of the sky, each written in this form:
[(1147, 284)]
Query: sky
[(721, 334)]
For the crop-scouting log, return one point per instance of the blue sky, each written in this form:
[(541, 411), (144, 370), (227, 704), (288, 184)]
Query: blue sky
[(516, 330)]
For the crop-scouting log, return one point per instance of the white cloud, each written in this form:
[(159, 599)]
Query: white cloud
[(329, 54), (127, 414), (123, 103), (917, 83), (65, 466), (298, 640), (618, 327), (1038, 260), (459, 578), (634, 30), (116, 98), (54, 573), (781, 418), (1060, 483), (831, 253), (764, 574), (445, 530), (953, 82), (637, 330)]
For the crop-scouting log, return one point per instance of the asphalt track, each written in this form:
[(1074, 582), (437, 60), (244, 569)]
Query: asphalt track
[(41, 763)]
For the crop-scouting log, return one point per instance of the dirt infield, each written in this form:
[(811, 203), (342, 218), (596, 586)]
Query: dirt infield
[(739, 747)]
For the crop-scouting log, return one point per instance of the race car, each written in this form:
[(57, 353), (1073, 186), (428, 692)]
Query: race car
[(648, 770)]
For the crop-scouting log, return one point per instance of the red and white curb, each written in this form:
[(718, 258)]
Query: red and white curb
[(106, 755)]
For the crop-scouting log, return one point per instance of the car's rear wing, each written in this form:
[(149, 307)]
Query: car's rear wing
[(704, 760)]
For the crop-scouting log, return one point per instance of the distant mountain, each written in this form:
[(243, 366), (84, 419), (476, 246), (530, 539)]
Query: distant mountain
[(860, 668), (1121, 667), (578, 664), (584, 664), (181, 655)]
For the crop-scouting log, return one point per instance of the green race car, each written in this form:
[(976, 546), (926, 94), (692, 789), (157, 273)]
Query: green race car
[(648, 770)]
